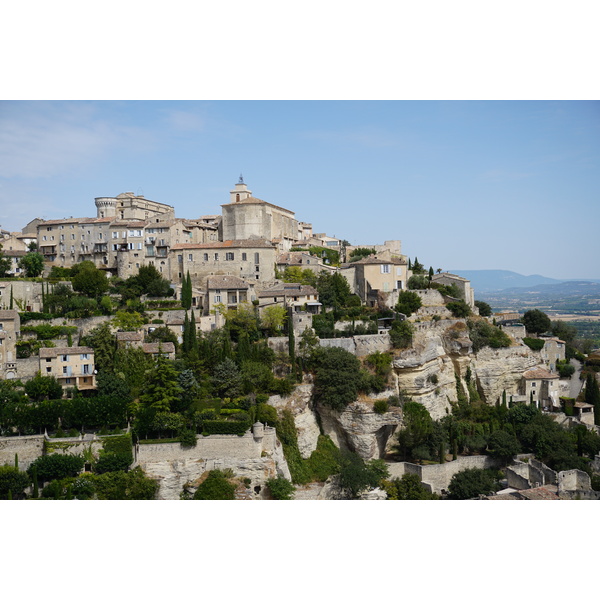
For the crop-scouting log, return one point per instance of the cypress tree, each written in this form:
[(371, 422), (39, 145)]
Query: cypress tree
[(292, 345), (11, 296), (442, 453), (186, 292), (34, 476), (193, 339), (185, 344)]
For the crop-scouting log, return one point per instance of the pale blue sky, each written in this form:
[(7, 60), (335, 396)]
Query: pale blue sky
[(464, 185)]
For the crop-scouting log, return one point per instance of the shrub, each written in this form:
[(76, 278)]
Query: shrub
[(280, 488), (483, 334), (225, 427), (472, 483), (215, 487), (56, 466), (459, 309), (13, 482), (408, 302), (266, 413), (187, 438), (401, 334), (380, 406), (534, 343)]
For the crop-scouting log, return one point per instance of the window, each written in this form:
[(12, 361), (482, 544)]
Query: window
[(68, 380), (385, 268), (86, 369), (217, 298), (229, 256), (84, 357), (72, 236), (115, 234), (256, 258), (205, 257), (64, 370), (216, 256), (64, 358), (244, 256), (48, 369), (533, 384), (190, 258)]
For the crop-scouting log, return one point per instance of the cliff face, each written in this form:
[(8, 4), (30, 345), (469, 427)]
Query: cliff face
[(426, 373)]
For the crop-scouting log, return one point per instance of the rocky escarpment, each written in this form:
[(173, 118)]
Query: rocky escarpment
[(426, 372)]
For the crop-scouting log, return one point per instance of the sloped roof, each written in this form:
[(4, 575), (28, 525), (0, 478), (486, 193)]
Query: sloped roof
[(288, 289), (54, 352), (156, 347), (539, 373), (256, 243), (226, 282)]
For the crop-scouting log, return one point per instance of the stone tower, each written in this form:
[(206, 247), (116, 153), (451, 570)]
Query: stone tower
[(241, 191), (106, 207)]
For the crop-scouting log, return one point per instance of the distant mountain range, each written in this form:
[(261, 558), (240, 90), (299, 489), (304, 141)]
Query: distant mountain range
[(494, 280)]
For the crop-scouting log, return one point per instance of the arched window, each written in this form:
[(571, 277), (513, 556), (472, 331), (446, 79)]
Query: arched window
[(237, 197)]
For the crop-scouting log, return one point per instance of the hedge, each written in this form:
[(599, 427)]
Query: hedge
[(225, 427)]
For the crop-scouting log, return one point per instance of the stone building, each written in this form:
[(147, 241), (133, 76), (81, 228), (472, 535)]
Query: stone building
[(246, 217), (464, 285), (10, 327), (291, 295), (227, 290), (542, 386), (371, 275), (252, 259), (72, 366)]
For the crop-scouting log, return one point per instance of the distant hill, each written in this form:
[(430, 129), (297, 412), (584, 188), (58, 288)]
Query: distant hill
[(494, 279)]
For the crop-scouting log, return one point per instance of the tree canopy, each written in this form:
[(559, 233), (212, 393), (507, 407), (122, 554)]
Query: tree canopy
[(536, 321)]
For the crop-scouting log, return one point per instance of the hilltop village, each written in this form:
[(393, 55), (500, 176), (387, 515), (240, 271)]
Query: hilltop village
[(241, 355)]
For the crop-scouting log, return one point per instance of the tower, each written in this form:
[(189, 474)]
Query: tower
[(241, 191), (106, 207)]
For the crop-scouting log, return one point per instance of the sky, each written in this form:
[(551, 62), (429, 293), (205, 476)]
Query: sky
[(463, 184)]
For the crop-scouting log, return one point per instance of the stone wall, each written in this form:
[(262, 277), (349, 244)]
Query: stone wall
[(257, 457), (27, 447), (360, 345), (27, 367), (437, 477)]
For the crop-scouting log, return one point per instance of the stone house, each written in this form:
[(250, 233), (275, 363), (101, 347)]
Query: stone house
[(228, 290), (554, 350), (166, 349), (291, 295), (464, 285), (302, 260), (10, 327), (72, 366), (371, 275), (542, 386), (129, 339)]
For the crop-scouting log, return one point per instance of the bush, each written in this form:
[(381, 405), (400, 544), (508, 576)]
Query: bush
[(472, 483), (401, 334), (483, 334), (408, 302), (380, 406), (187, 438), (215, 487), (534, 343), (56, 466), (337, 377), (459, 309), (113, 461), (280, 488), (12, 481), (225, 427)]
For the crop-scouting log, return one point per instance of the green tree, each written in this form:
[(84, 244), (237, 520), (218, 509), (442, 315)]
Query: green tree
[(356, 476), (536, 321), (127, 321), (485, 310), (215, 487), (409, 487), (592, 395), (118, 485), (43, 388), (32, 263), (471, 483), (56, 466), (13, 482), (227, 379), (459, 309), (186, 292), (280, 488), (88, 279), (418, 425), (4, 264), (334, 290), (401, 334), (337, 377), (273, 318), (161, 389), (408, 302), (503, 445), (104, 344), (418, 282)]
